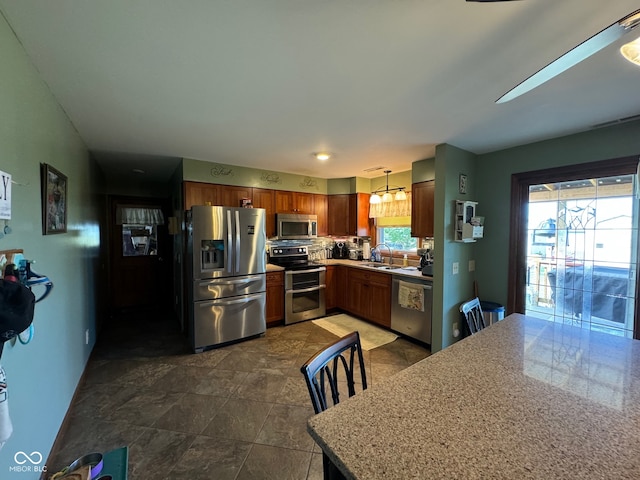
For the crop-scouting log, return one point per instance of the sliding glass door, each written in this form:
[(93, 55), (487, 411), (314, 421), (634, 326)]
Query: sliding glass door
[(574, 249)]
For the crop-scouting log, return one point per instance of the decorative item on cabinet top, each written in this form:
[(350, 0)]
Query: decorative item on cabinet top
[(468, 227)]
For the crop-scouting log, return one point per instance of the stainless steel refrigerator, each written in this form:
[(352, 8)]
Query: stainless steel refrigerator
[(227, 270)]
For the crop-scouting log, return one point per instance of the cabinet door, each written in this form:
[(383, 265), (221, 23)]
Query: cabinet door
[(302, 202), (284, 201), (265, 198), (198, 193), (275, 298), (422, 208), (231, 196), (360, 221), (330, 292), (380, 291), (320, 208), (338, 214)]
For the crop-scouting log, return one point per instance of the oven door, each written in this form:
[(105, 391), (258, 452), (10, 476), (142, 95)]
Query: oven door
[(304, 294)]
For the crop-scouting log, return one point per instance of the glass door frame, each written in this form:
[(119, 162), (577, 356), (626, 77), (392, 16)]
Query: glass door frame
[(520, 183)]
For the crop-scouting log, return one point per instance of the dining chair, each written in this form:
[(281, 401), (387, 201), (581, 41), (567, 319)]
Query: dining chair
[(324, 372), (472, 312)]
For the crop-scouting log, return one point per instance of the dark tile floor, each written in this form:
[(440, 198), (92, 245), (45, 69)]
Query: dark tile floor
[(237, 412)]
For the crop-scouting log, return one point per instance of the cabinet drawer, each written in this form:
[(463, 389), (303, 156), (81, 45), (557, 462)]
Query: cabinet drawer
[(275, 278)]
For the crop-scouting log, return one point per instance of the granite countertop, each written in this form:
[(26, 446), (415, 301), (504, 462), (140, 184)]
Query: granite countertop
[(524, 398), (411, 271)]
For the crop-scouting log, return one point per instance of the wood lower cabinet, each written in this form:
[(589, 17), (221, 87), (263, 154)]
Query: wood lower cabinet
[(275, 298), (368, 296), (422, 208), (336, 281)]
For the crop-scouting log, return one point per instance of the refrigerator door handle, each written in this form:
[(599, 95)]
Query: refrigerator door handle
[(237, 249), (243, 299), (228, 250), (209, 284)]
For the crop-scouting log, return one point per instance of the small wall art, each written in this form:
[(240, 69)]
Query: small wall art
[(54, 200), (462, 183)]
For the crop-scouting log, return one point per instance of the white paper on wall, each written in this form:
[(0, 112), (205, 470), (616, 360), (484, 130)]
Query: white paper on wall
[(5, 196)]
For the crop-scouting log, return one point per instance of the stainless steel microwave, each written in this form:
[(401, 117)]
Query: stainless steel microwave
[(296, 226)]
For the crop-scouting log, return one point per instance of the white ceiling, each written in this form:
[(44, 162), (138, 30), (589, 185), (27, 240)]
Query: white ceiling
[(263, 83)]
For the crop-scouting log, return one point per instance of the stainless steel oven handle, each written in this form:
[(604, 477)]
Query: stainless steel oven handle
[(305, 290), (314, 270)]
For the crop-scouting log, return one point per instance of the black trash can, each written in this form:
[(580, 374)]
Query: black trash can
[(492, 312)]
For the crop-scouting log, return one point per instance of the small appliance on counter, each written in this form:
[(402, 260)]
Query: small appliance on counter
[(340, 250), (426, 261)]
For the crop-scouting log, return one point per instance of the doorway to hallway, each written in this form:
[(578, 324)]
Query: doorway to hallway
[(575, 246)]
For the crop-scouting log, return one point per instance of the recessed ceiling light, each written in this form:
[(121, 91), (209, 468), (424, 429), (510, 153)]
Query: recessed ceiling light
[(138, 170), (322, 156)]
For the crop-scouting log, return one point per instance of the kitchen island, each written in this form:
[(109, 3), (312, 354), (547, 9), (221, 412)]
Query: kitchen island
[(524, 398)]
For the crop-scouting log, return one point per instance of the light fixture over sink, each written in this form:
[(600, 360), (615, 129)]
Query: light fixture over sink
[(387, 196)]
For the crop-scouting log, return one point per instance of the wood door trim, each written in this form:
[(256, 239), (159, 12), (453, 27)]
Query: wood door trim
[(520, 183)]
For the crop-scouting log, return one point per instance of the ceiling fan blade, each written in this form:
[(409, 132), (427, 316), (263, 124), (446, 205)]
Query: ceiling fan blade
[(574, 56)]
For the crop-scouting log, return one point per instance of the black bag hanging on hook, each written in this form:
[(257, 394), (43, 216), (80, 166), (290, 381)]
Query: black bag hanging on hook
[(17, 304)]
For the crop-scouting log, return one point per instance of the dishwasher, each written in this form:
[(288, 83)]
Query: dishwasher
[(411, 304)]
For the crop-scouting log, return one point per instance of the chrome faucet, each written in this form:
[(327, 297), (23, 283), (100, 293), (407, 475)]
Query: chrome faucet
[(390, 252)]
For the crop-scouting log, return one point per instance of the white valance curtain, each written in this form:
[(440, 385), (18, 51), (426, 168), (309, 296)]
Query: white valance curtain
[(394, 208), (139, 216)]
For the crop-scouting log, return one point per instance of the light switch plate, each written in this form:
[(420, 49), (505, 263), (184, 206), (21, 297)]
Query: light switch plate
[(472, 265), (455, 268)]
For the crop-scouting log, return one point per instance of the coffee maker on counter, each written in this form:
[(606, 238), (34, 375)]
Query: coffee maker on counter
[(340, 250), (426, 261)]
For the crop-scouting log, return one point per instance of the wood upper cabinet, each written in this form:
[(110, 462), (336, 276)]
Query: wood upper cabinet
[(231, 196), (293, 202), (266, 198), (321, 209), (361, 224), (338, 216), (349, 214), (275, 298), (369, 296), (422, 208), (198, 193)]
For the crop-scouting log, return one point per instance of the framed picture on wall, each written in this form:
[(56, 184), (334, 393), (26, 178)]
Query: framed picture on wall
[(462, 183), (54, 200)]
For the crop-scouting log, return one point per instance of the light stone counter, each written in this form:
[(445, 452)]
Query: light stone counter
[(411, 271), (522, 399)]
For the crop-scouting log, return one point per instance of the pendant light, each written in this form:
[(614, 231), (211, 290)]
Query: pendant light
[(387, 196)]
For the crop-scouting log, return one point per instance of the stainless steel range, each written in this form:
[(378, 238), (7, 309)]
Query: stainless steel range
[(304, 283)]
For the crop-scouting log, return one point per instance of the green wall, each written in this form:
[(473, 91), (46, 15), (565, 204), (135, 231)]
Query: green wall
[(201, 171), (43, 374), (493, 190), (450, 290)]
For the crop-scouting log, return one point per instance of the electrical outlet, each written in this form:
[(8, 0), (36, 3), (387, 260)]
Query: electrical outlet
[(455, 268), (472, 265), (86, 337)]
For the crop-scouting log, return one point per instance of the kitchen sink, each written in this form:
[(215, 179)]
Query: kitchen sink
[(382, 266)]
